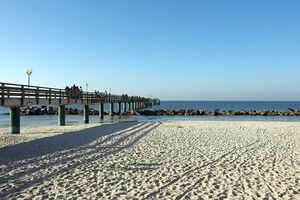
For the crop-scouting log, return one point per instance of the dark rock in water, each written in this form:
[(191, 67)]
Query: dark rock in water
[(93, 112), (201, 112), (291, 110), (207, 112), (252, 112), (194, 112), (216, 112), (174, 112), (51, 111), (263, 113)]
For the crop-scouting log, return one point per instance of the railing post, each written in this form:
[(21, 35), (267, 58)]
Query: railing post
[(49, 95), (2, 94), (59, 97), (37, 92), (86, 114), (68, 96), (15, 120), (22, 95), (75, 97), (61, 115)]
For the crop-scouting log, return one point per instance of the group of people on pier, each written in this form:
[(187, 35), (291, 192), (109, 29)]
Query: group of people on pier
[(75, 92)]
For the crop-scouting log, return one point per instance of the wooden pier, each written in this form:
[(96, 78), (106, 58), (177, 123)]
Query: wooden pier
[(17, 95)]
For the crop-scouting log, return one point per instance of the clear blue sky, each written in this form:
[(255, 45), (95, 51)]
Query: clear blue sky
[(174, 50)]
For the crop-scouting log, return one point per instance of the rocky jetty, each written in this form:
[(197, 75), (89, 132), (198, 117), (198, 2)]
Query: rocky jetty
[(217, 112), (44, 110)]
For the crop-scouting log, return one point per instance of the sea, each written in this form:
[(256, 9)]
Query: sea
[(173, 105)]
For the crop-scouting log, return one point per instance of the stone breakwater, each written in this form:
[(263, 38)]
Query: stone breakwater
[(187, 112), (217, 112), (44, 110)]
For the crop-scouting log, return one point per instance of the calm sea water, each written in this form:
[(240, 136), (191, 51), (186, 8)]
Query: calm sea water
[(209, 105), (230, 105)]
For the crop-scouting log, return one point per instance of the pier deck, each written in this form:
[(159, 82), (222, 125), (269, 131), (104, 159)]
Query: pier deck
[(18, 95)]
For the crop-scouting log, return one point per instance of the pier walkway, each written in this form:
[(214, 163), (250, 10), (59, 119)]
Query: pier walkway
[(15, 96)]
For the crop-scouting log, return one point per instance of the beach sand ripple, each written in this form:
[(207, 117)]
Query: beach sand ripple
[(168, 160)]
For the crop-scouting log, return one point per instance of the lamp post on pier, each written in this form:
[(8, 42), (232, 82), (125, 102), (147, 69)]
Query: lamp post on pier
[(28, 72)]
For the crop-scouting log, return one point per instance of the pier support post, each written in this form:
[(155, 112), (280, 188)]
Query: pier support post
[(129, 107), (120, 108), (111, 112), (15, 120), (124, 107), (101, 111), (86, 114), (61, 115)]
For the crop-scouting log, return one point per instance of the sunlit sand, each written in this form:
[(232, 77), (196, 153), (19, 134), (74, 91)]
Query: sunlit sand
[(168, 160)]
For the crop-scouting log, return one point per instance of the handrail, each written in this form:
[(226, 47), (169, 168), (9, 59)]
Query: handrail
[(11, 90)]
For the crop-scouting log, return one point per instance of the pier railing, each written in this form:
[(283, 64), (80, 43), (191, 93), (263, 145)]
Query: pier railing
[(24, 95), (17, 95)]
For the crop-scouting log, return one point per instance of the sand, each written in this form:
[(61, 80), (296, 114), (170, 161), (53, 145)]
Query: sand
[(167, 160), (30, 133)]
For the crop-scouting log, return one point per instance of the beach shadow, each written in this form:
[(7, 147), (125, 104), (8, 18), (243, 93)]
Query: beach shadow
[(62, 142), (91, 156)]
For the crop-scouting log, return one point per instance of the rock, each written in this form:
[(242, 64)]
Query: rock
[(216, 112)]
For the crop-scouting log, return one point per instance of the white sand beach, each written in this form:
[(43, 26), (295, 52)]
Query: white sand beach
[(167, 160)]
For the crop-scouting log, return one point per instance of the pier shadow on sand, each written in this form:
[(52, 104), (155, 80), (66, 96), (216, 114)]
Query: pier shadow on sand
[(62, 142), (89, 155)]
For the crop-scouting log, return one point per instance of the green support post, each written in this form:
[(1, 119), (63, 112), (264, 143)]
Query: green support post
[(111, 112), (124, 107), (15, 120), (120, 108), (101, 111), (129, 107), (86, 114), (61, 115)]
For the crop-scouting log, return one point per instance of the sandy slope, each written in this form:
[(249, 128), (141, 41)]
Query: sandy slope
[(169, 160)]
